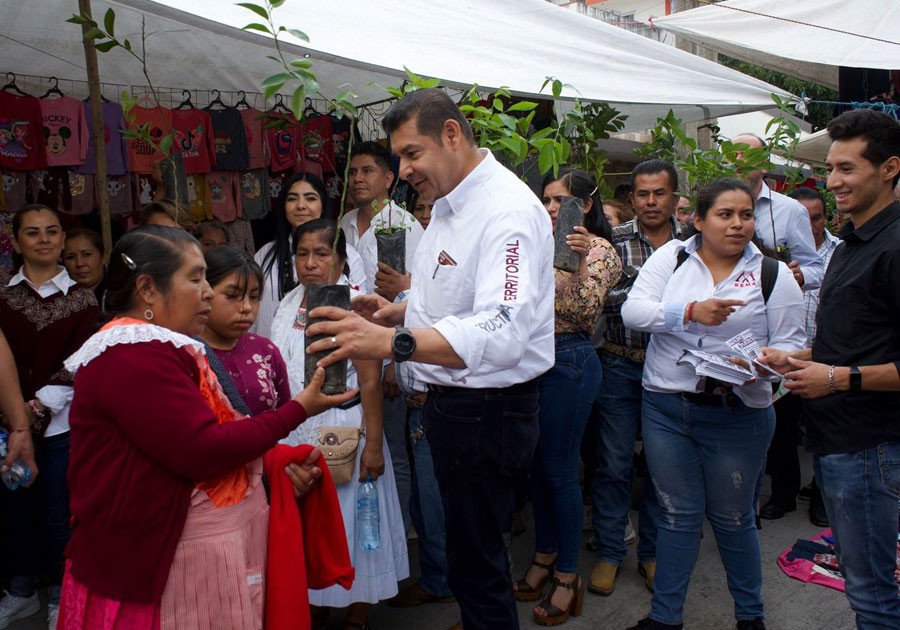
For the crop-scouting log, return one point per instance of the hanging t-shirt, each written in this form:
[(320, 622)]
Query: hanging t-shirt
[(198, 198), (118, 191), (284, 141), (143, 189), (113, 123), (229, 139), (240, 235), (255, 200), (21, 133), (318, 142), (50, 187), (81, 191), (224, 195), (15, 185), (340, 135), (276, 181), (141, 156), (65, 131), (6, 247), (254, 130), (194, 138)]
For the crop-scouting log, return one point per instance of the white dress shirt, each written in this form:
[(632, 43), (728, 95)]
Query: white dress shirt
[(56, 398), (268, 304), (811, 298), (390, 215), (791, 229), (657, 301), (483, 278)]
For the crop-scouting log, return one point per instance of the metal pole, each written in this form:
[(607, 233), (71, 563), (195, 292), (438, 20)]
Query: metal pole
[(93, 76)]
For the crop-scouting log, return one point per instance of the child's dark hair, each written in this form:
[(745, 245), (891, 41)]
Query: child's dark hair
[(152, 250), (224, 260), (211, 225)]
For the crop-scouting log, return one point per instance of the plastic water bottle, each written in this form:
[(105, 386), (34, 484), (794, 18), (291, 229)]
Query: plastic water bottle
[(367, 515), (18, 474)]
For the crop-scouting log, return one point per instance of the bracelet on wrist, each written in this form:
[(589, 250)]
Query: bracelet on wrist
[(690, 311), (831, 379)]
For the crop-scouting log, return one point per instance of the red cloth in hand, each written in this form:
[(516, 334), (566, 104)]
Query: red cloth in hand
[(307, 545)]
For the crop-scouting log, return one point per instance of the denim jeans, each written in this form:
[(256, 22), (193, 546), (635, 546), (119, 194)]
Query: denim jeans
[(860, 491), (618, 410), (395, 435), (705, 460), (427, 512), (567, 393), (481, 441), (45, 504)]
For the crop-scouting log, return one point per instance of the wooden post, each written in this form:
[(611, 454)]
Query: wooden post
[(93, 76)]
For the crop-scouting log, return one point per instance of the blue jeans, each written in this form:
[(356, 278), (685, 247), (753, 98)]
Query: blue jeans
[(48, 500), (567, 393), (481, 441), (705, 460), (618, 410), (427, 512), (395, 435), (860, 492)]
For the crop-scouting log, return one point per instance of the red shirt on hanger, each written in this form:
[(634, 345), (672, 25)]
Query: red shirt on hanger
[(21, 133), (194, 138), (141, 156)]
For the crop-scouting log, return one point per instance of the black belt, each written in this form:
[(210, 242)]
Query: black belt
[(529, 387), (717, 400)]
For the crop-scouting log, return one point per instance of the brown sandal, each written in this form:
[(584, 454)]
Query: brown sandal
[(555, 616), (524, 592)]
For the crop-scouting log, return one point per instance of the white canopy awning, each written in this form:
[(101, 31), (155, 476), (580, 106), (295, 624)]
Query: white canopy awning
[(808, 40), (198, 44)]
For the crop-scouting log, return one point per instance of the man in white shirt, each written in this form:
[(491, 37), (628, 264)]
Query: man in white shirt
[(781, 222), (370, 178), (480, 318)]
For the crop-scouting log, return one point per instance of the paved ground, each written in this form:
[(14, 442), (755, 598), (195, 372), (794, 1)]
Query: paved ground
[(790, 605)]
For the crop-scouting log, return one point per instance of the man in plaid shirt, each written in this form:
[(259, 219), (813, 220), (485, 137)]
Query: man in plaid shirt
[(618, 409)]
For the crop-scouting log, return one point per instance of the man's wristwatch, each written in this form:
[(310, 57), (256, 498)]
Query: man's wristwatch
[(855, 379), (403, 344)]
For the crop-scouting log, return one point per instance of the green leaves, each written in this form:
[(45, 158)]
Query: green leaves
[(109, 22), (256, 26), (258, 10)]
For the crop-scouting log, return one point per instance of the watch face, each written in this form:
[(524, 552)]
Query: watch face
[(404, 343)]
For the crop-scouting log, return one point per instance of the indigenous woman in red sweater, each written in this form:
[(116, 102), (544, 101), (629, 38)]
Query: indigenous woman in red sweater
[(45, 316), (169, 515)]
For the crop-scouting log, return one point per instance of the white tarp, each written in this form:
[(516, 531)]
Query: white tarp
[(197, 44), (808, 40)]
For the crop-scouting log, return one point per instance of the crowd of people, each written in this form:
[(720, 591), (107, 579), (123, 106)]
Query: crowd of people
[(164, 398)]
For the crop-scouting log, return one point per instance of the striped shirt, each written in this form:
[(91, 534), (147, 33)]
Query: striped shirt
[(634, 250), (811, 297)]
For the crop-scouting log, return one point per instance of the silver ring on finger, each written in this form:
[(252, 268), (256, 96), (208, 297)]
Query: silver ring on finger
[(334, 342)]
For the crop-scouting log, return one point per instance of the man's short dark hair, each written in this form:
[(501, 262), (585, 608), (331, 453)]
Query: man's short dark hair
[(652, 167), (880, 131), (622, 192), (430, 109), (381, 155), (808, 193)]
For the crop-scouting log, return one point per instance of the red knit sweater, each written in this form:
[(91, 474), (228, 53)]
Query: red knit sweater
[(142, 437)]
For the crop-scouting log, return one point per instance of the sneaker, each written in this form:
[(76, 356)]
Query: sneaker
[(52, 616), (630, 534), (13, 608), (751, 624), (652, 624)]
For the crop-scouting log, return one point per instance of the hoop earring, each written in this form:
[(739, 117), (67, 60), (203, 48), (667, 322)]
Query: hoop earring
[(148, 315)]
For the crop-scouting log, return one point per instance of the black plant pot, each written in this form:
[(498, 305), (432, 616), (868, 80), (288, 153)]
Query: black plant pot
[(392, 250), (326, 295), (571, 213)]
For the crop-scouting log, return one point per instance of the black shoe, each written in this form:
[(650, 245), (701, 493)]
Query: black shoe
[(758, 523), (651, 624), (817, 515), (806, 492), (772, 511), (751, 624)]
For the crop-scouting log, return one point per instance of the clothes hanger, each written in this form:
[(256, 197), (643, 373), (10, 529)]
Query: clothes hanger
[(54, 89), (279, 104), (216, 101), (243, 101), (11, 86), (309, 111), (186, 103)]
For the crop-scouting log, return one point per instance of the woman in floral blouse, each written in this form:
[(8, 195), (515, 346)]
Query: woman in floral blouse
[(254, 363), (567, 393)]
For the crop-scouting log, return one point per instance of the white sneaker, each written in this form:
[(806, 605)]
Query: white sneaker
[(13, 608), (52, 617), (630, 534)]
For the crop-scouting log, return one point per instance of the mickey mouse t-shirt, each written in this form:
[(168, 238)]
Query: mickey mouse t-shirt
[(65, 131)]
